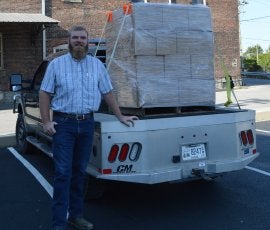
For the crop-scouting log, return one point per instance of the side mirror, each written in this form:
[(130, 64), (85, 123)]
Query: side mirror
[(15, 82)]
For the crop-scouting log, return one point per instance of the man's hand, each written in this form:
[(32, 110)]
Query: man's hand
[(48, 127), (128, 120), (112, 103)]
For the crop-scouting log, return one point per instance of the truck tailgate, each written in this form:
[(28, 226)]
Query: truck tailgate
[(174, 147)]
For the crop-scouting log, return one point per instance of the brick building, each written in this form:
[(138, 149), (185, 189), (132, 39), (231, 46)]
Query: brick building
[(23, 40)]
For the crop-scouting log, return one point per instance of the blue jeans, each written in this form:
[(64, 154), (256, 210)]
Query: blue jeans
[(72, 145)]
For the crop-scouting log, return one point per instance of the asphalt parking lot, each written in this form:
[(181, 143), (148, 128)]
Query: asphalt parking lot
[(238, 200)]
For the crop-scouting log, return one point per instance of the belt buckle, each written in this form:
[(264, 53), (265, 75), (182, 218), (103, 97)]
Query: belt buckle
[(80, 117)]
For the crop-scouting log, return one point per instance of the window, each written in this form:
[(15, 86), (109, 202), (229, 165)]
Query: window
[(1, 52), (38, 76), (60, 48)]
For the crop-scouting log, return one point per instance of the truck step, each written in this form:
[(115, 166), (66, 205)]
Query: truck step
[(40, 145), (166, 110)]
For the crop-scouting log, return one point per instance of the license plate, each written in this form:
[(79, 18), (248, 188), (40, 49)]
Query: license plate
[(193, 152)]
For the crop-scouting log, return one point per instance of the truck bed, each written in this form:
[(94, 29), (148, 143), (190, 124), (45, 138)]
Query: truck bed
[(218, 116), (165, 142)]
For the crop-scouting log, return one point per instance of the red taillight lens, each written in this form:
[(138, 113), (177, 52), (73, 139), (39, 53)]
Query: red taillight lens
[(106, 171), (243, 137), (124, 152), (250, 137), (113, 153)]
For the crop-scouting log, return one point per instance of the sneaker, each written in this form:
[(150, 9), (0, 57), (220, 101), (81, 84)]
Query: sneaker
[(80, 223)]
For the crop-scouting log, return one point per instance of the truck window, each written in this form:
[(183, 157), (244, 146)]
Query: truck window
[(39, 74)]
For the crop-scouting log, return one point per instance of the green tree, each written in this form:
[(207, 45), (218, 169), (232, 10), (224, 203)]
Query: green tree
[(268, 50), (264, 61), (253, 51), (251, 58), (250, 64)]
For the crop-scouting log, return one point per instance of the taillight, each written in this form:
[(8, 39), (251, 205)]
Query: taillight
[(250, 137), (243, 137), (124, 152), (247, 137), (105, 171), (113, 153), (135, 151)]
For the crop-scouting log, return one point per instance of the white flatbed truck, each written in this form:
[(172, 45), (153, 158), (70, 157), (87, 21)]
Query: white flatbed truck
[(159, 148)]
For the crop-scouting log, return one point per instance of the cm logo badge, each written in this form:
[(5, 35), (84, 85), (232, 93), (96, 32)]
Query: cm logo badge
[(124, 169)]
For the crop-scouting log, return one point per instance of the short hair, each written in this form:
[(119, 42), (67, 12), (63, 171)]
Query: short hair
[(76, 28)]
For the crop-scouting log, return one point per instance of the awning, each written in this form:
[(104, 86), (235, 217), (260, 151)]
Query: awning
[(26, 18)]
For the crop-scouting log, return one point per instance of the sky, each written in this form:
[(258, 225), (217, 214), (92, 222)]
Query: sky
[(255, 24)]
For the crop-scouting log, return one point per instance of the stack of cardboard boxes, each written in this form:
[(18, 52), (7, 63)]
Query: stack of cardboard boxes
[(161, 55)]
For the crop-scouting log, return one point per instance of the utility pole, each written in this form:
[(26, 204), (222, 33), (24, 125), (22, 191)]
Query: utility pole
[(257, 53)]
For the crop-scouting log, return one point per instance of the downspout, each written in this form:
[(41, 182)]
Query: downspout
[(43, 30)]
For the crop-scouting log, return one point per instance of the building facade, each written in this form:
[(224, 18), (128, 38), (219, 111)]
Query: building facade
[(25, 42)]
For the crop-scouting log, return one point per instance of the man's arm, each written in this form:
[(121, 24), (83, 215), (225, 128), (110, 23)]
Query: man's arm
[(112, 103), (44, 105)]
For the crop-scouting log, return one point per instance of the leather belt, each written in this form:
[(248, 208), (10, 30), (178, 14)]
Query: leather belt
[(78, 117)]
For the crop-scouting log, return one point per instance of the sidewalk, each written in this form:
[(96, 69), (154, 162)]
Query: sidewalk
[(254, 95), (7, 125)]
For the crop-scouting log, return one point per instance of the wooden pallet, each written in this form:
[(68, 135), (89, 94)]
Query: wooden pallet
[(158, 111)]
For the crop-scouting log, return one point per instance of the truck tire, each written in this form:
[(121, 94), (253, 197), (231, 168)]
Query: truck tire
[(94, 188), (23, 145)]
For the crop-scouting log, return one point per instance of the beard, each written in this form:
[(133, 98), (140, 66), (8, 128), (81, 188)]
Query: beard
[(78, 51)]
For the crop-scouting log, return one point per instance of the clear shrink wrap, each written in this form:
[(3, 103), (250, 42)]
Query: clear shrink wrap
[(164, 56)]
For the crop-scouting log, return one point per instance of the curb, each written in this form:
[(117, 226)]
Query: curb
[(7, 140)]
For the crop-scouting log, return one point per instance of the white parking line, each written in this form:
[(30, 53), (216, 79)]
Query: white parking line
[(258, 170), (262, 131), (44, 183)]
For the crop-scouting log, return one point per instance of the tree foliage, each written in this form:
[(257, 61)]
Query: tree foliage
[(251, 65), (264, 61), (254, 59), (268, 50), (253, 51)]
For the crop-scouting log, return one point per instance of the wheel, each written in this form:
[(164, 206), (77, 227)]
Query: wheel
[(94, 188), (23, 145)]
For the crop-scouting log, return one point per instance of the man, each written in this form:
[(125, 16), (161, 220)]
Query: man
[(77, 82)]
